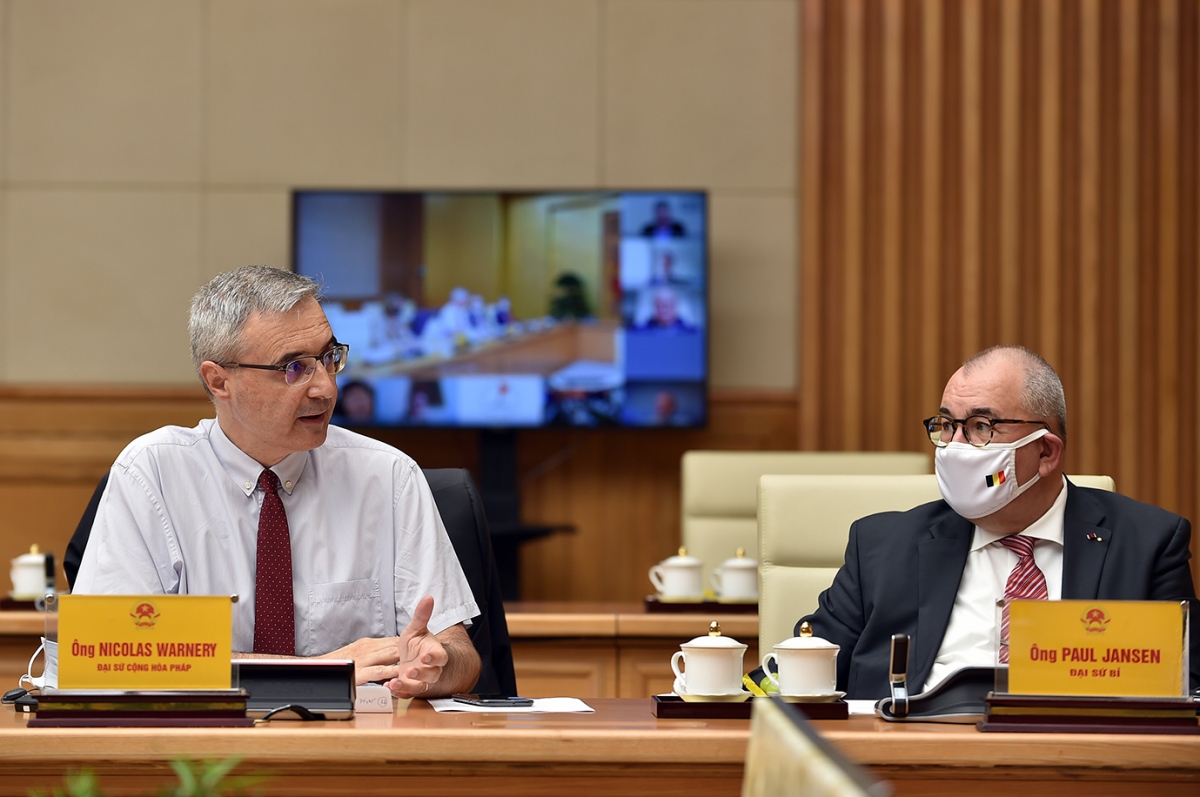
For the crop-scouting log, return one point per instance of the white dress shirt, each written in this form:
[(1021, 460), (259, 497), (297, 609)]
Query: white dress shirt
[(972, 635), (180, 516)]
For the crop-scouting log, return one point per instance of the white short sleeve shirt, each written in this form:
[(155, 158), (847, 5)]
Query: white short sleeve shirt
[(180, 516)]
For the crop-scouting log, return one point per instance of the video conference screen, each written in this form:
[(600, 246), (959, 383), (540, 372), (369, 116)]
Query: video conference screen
[(497, 309)]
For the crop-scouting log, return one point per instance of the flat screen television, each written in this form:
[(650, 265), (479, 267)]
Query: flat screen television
[(513, 309)]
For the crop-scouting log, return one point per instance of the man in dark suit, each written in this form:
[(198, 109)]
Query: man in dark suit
[(935, 571), (663, 225)]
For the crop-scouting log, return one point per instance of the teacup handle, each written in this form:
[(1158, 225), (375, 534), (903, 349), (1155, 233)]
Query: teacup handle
[(772, 677), (679, 674), (656, 577), (715, 579)]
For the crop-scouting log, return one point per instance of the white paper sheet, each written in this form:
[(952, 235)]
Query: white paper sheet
[(861, 706), (541, 705)]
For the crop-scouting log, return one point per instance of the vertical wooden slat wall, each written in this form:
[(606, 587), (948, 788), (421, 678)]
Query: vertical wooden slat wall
[(987, 171)]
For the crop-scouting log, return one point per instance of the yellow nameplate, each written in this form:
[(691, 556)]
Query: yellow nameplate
[(144, 641), (1101, 648)]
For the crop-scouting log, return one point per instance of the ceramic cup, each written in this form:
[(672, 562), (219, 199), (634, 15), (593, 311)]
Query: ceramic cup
[(28, 574), (709, 665), (736, 578), (678, 577), (807, 666)]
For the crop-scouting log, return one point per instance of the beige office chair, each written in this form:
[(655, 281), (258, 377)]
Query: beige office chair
[(720, 491), (804, 525)]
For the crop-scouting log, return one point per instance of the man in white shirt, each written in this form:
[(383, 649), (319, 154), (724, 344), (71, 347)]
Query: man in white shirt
[(374, 576), (936, 571)]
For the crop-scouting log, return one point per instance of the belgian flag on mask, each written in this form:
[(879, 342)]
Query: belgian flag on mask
[(994, 479)]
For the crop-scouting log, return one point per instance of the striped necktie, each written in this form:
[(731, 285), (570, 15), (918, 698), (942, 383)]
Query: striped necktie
[(1026, 581)]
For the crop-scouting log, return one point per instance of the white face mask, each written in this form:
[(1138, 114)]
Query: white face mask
[(49, 676), (979, 481)]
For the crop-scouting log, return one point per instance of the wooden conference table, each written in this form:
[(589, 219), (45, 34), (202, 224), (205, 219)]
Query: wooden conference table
[(621, 749), (580, 649), (595, 652), (533, 352)]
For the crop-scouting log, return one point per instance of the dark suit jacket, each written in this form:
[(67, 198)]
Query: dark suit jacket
[(902, 571)]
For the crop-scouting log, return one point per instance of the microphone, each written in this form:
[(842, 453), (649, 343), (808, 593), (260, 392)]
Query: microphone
[(898, 674)]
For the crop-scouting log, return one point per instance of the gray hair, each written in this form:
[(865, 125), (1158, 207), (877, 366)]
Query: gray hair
[(1042, 394), (221, 308)]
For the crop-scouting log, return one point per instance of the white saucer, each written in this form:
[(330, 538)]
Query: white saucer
[(736, 697), (829, 698), (679, 598), (33, 596)]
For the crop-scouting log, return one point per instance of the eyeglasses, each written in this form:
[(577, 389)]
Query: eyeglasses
[(300, 370), (978, 429)]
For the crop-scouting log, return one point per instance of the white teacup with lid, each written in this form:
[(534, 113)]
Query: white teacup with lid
[(807, 665), (678, 577), (28, 574), (736, 579), (709, 665)]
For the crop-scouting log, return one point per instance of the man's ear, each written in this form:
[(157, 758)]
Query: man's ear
[(215, 378), (1051, 456)]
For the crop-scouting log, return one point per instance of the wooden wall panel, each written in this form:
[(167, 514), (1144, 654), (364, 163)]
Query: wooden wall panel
[(55, 445), (621, 491), (1005, 171)]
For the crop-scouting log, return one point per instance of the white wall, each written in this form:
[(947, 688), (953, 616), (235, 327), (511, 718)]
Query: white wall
[(146, 145)]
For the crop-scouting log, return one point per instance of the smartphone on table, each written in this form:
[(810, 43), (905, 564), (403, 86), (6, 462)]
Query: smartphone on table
[(493, 701)]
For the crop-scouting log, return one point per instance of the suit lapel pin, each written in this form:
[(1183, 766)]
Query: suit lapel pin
[(1094, 537)]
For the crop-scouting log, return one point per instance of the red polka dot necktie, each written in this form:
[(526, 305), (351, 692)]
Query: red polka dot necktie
[(274, 611), (1026, 581)]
